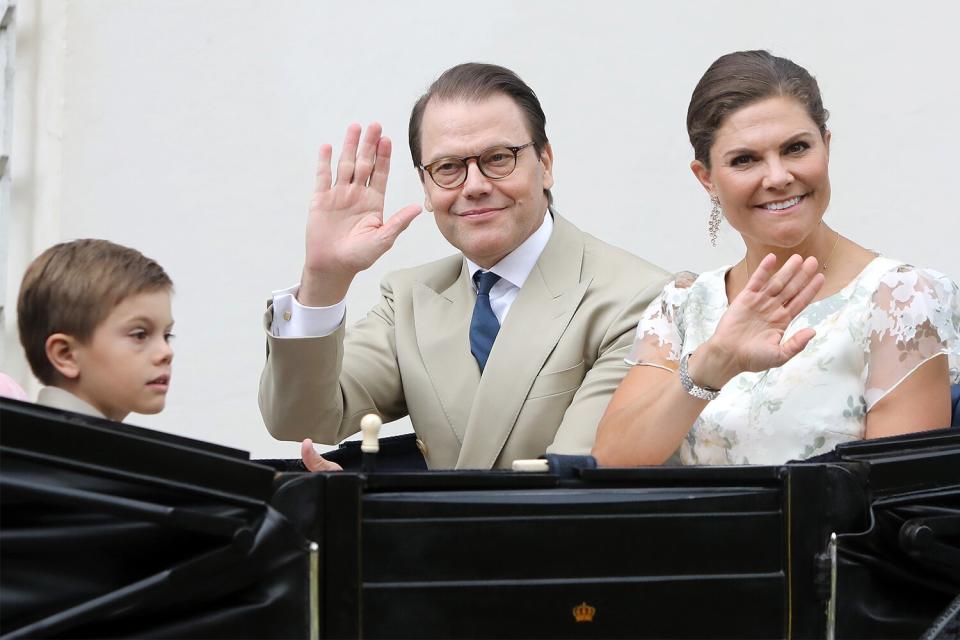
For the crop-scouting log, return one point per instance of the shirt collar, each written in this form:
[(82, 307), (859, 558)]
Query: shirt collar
[(62, 399), (516, 266)]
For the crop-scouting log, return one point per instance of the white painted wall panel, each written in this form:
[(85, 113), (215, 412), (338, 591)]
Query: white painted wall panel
[(190, 131)]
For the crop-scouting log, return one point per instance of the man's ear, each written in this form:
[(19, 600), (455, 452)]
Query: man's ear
[(546, 157), (826, 142), (62, 353), (702, 173), (427, 203)]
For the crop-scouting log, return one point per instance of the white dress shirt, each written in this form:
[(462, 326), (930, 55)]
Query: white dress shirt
[(294, 320)]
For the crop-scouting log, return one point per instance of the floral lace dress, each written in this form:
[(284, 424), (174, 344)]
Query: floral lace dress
[(871, 335)]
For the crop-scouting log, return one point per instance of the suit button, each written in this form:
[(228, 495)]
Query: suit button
[(422, 447)]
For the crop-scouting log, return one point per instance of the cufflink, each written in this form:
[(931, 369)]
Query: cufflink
[(422, 447), (286, 315)]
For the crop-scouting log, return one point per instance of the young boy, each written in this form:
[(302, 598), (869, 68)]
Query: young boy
[(95, 322)]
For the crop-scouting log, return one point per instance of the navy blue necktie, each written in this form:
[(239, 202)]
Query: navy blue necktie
[(484, 325)]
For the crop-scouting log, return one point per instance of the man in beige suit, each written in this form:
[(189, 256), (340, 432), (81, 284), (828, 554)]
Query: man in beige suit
[(507, 350)]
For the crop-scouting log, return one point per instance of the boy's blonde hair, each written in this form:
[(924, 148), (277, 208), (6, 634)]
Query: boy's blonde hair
[(72, 287)]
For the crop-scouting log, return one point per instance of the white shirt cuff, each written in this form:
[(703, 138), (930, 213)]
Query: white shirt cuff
[(294, 320)]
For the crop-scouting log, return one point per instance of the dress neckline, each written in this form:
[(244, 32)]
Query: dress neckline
[(721, 274)]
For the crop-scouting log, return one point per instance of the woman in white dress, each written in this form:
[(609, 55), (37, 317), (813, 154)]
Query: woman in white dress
[(807, 342)]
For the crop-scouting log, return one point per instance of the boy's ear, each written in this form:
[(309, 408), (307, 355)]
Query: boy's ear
[(62, 354)]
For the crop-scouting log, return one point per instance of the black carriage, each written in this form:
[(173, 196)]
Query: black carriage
[(115, 531)]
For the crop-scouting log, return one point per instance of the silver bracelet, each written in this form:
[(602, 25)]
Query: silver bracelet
[(691, 387)]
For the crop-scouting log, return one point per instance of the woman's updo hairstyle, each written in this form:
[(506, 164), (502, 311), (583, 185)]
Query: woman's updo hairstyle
[(741, 78)]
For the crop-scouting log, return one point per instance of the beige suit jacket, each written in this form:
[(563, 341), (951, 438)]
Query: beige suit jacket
[(556, 361)]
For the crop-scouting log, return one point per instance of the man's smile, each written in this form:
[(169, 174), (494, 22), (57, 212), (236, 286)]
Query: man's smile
[(472, 213)]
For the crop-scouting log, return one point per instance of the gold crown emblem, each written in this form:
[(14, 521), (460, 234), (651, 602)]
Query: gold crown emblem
[(584, 612)]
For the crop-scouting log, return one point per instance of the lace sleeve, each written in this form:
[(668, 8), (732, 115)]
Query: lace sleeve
[(914, 316), (660, 330)]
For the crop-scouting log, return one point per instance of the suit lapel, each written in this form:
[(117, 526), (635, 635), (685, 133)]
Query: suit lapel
[(534, 325), (442, 321)]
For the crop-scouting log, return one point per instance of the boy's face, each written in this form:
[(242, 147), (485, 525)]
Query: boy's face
[(125, 366)]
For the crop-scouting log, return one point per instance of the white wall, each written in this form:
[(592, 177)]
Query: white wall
[(189, 130)]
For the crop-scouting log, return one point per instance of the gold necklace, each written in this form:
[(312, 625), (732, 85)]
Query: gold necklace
[(823, 267), (836, 241)]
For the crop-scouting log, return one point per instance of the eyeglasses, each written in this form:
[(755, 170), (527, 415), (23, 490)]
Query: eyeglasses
[(495, 163)]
